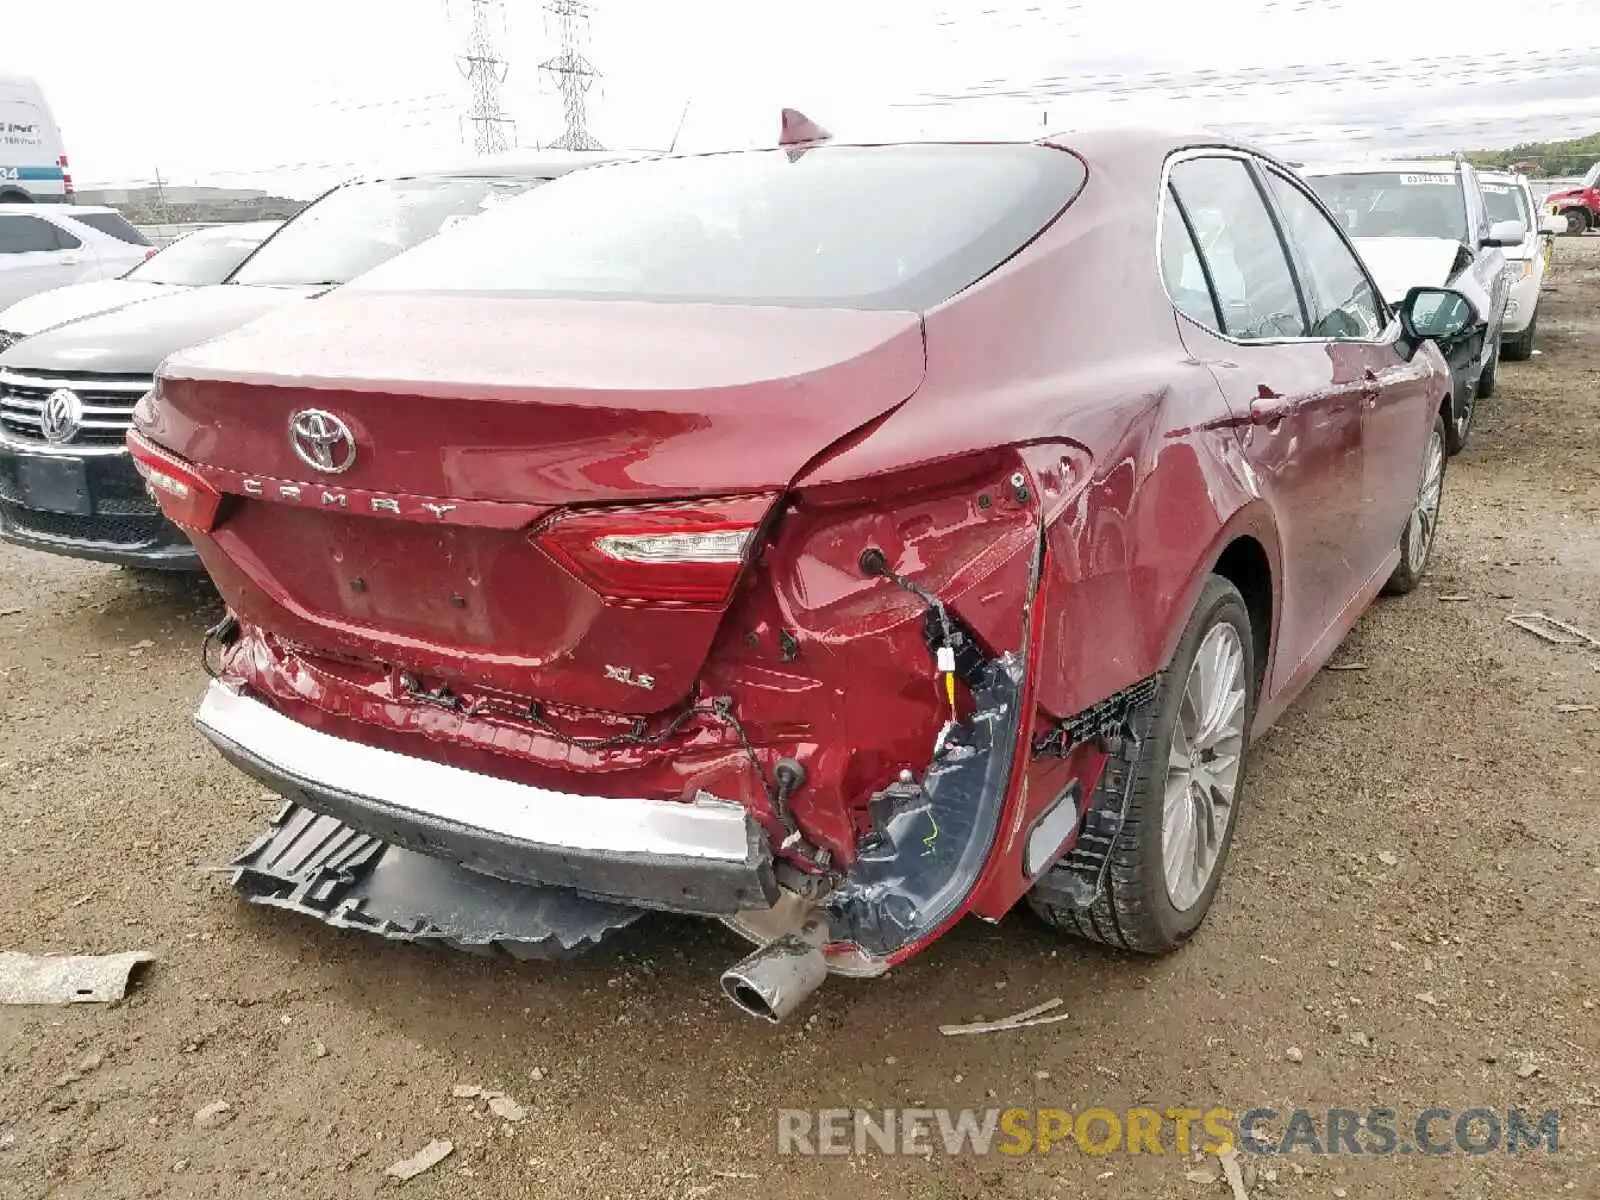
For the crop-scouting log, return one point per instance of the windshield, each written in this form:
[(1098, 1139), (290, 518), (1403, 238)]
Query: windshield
[(849, 227), (206, 256), (1384, 204), (1592, 177), (1506, 202), (359, 225)]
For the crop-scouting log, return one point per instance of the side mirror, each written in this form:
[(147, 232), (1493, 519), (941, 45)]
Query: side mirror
[(1553, 224), (1436, 314), (1505, 233)]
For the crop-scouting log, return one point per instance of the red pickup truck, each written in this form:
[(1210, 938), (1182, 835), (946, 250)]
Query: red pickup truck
[(1580, 206)]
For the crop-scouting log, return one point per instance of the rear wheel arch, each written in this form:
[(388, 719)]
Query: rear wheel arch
[(1245, 564), (12, 196)]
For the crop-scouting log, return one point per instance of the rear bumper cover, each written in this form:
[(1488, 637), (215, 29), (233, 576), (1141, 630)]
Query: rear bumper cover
[(708, 857)]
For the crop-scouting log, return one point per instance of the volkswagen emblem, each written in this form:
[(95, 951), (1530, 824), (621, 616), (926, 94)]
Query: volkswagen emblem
[(61, 417), (322, 440)]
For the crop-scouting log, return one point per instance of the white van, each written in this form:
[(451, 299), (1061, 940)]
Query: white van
[(33, 163)]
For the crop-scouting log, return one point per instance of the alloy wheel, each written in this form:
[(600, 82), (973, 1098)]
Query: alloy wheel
[(1425, 513), (1203, 766)]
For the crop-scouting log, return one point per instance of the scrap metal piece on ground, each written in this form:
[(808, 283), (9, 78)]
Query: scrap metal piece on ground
[(67, 978), (1557, 633), (320, 867), (1022, 1020)]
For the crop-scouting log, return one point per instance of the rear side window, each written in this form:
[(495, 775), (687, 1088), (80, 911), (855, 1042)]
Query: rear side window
[(1245, 259), (886, 227), (1181, 269), (25, 235), (114, 225)]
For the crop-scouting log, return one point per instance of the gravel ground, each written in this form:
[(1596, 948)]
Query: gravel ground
[(1409, 921)]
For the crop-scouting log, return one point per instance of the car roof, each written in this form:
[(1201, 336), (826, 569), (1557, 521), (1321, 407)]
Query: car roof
[(1398, 166), (516, 164)]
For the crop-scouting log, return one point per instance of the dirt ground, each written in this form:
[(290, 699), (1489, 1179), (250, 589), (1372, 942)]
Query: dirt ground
[(1412, 905)]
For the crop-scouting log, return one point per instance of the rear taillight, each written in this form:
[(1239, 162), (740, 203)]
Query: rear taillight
[(692, 552), (185, 498), (66, 176)]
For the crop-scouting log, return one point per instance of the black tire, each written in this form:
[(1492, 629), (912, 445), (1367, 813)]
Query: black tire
[(1413, 567), (1134, 910), (15, 198), (1458, 422), (1520, 347), (1490, 375), (1577, 221)]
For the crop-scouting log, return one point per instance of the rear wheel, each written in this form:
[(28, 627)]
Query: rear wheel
[(1520, 348), (1416, 543), (1179, 784)]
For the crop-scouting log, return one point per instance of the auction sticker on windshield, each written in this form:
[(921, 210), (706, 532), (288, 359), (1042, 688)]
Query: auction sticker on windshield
[(1446, 180)]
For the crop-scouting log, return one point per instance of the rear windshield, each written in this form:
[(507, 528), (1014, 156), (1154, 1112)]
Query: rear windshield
[(894, 227), (355, 227), (1506, 202), (114, 225), (207, 256), (1385, 204)]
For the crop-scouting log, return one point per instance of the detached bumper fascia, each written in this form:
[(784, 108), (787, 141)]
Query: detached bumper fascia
[(708, 857)]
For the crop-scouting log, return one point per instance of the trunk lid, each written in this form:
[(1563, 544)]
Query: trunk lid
[(474, 421)]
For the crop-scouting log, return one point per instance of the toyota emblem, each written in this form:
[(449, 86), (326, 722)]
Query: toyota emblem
[(322, 440), (61, 417)]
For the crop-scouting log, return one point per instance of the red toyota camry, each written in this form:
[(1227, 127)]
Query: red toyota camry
[(836, 540)]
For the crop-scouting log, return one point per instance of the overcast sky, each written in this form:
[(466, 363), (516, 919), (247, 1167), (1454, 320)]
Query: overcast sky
[(293, 93)]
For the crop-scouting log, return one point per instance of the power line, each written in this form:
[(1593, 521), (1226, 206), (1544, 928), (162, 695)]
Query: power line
[(485, 71), (574, 73)]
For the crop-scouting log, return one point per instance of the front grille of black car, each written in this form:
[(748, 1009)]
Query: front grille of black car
[(106, 403), (107, 530)]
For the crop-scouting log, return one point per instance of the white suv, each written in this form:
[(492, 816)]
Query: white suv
[(45, 246), (1510, 198)]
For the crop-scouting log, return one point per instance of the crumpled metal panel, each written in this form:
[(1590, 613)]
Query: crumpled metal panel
[(322, 868)]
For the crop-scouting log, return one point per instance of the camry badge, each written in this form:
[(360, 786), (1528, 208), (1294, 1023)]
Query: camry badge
[(321, 440), (61, 417)]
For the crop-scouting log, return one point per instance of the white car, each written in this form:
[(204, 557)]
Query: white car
[(45, 246), (204, 257), (1425, 224), (1510, 198)]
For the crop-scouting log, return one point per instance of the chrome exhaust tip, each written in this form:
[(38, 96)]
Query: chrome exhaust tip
[(776, 979)]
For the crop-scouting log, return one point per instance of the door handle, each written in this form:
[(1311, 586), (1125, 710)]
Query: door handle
[(1269, 407), (71, 260)]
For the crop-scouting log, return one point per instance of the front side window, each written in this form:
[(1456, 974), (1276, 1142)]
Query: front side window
[(114, 225), (27, 235), (1255, 289), (1396, 204), (882, 227), (359, 225), (1342, 299)]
